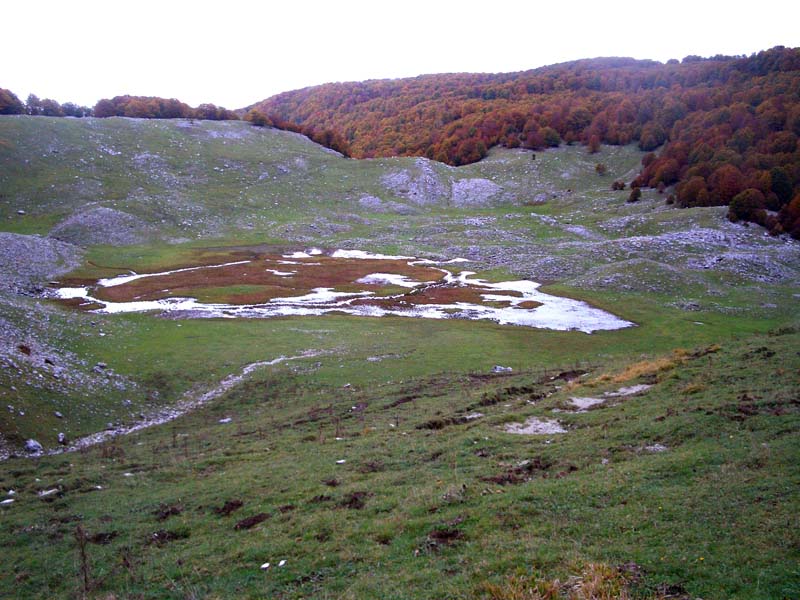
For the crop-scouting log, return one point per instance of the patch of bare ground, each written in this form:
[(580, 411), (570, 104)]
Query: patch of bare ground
[(252, 521), (229, 507)]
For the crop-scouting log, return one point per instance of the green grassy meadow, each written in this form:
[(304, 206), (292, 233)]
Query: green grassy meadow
[(380, 467)]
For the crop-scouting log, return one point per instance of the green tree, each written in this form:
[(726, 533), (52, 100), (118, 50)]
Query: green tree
[(258, 118), (747, 205), (33, 106), (550, 137), (781, 185), (636, 195), (51, 108)]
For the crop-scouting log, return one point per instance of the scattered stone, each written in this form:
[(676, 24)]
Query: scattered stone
[(656, 448), (46, 493), (225, 420), (582, 404), (7, 502), (535, 426), (265, 566), (474, 192), (501, 369), (33, 447), (102, 225), (20, 212), (421, 184), (629, 390), (62, 438)]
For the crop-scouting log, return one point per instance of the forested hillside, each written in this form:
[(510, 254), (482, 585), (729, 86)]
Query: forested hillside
[(727, 127)]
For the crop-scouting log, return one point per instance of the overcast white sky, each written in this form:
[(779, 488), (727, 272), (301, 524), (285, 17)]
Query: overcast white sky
[(235, 52)]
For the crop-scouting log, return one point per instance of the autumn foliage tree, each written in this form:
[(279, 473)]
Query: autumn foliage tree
[(151, 107), (715, 127), (10, 104)]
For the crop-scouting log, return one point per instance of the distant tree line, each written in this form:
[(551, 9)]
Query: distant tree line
[(145, 107), (150, 107), (11, 105)]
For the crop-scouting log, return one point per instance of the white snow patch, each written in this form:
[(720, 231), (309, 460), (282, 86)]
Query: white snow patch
[(553, 312), (307, 254), (319, 296), (121, 279), (390, 279), (360, 254)]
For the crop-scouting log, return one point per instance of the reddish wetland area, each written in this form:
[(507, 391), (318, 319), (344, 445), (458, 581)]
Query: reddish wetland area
[(259, 284)]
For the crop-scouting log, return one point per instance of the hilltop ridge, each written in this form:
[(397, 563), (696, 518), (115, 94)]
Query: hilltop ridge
[(722, 126)]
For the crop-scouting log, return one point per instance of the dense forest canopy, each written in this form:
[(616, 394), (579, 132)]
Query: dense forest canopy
[(726, 127)]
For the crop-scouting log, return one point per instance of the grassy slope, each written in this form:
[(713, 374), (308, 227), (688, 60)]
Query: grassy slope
[(713, 514), (723, 495)]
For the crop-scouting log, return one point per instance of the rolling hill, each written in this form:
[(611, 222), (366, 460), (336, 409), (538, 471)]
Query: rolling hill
[(392, 457)]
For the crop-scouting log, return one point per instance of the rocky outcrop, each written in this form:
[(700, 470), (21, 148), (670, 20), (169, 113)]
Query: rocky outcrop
[(102, 225), (375, 204), (474, 192), (421, 184), (27, 260)]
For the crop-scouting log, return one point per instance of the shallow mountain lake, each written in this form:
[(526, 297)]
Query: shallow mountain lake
[(316, 282)]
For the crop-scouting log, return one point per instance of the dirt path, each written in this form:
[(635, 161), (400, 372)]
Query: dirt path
[(192, 400)]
